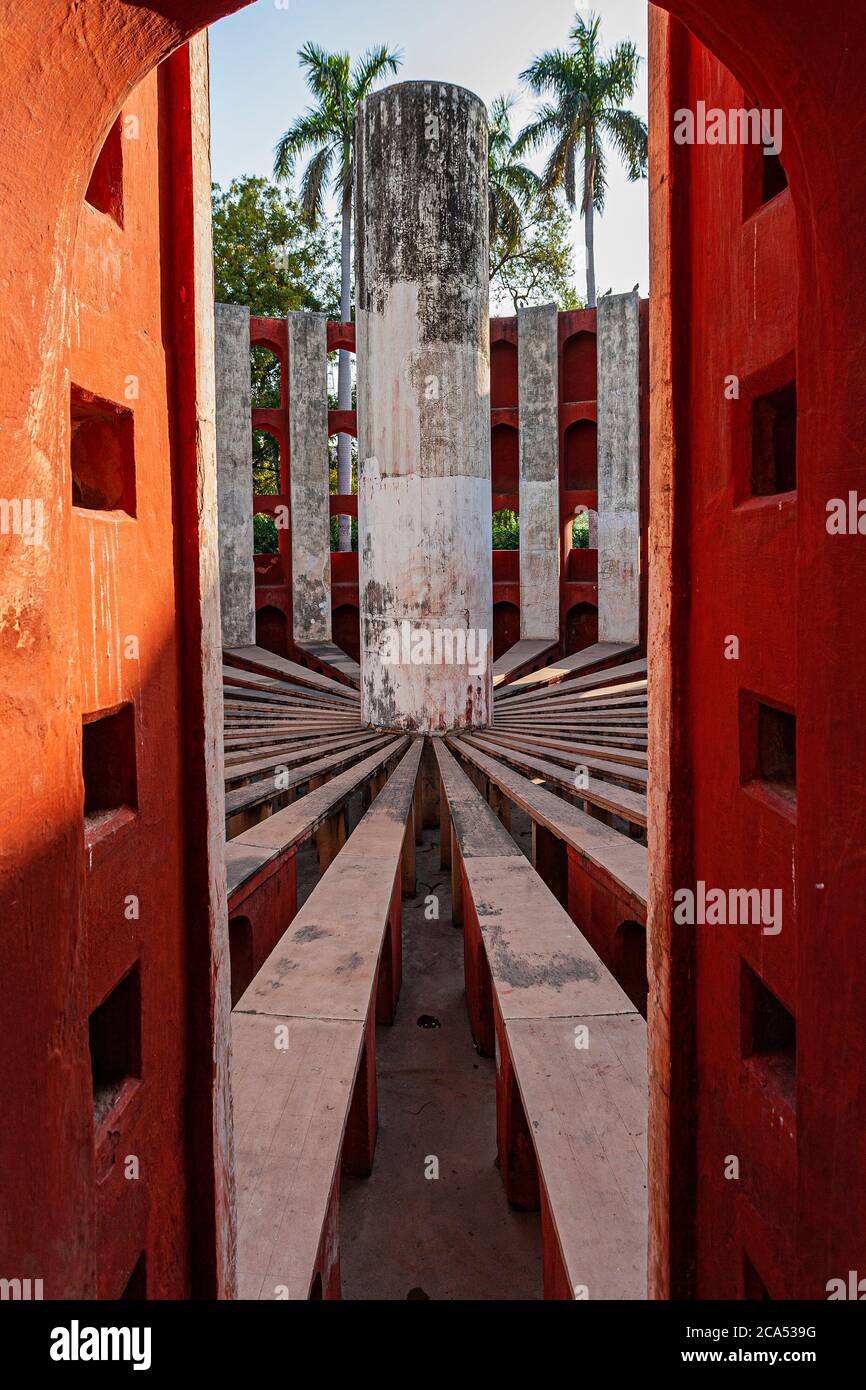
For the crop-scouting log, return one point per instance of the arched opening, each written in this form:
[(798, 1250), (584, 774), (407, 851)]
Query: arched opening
[(506, 529), (631, 970), (266, 378), (579, 373), (581, 456), (267, 482), (505, 460), (581, 627), (580, 546), (503, 374), (266, 463), (506, 627), (240, 954), (272, 630), (346, 630)]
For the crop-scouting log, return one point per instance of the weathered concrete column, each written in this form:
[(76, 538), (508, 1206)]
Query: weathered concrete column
[(424, 502), (308, 454), (234, 446), (538, 387), (618, 468)]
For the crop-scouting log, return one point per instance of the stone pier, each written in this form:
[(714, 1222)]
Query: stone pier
[(538, 382), (308, 451), (619, 468), (234, 475), (424, 498)]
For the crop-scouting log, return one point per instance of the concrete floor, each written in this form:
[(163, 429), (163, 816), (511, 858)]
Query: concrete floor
[(404, 1235)]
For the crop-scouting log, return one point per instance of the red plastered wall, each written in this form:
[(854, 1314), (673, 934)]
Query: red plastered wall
[(128, 653), (744, 587), (757, 1041)]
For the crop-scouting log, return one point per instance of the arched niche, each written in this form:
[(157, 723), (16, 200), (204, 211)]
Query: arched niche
[(580, 449), (503, 374), (505, 459), (579, 372), (581, 627), (506, 627)]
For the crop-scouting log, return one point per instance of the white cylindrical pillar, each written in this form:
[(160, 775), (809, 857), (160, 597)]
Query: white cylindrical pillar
[(424, 498)]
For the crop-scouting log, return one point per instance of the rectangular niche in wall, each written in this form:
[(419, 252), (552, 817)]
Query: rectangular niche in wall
[(108, 765), (768, 1035), (774, 441), (115, 1044), (768, 749), (102, 454)]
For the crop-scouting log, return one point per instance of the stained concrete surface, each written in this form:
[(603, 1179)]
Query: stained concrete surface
[(402, 1235)]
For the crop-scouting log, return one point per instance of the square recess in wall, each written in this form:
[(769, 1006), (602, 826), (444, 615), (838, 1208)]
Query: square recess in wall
[(768, 751), (105, 190), (102, 454), (109, 769), (114, 1034), (768, 1036)]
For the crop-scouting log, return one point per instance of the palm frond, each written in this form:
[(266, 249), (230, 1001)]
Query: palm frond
[(559, 170), (546, 125), (326, 74), (550, 72), (370, 67), (312, 127), (584, 36), (628, 133), (506, 216), (313, 185), (619, 73)]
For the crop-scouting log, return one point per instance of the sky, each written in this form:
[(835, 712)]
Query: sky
[(257, 88)]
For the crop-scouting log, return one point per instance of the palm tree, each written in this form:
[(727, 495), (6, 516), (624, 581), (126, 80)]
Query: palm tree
[(326, 129), (511, 186), (586, 90)]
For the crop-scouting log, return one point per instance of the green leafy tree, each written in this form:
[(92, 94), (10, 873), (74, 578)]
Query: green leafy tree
[(537, 268), (506, 530), (325, 131), (586, 91), (265, 253)]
